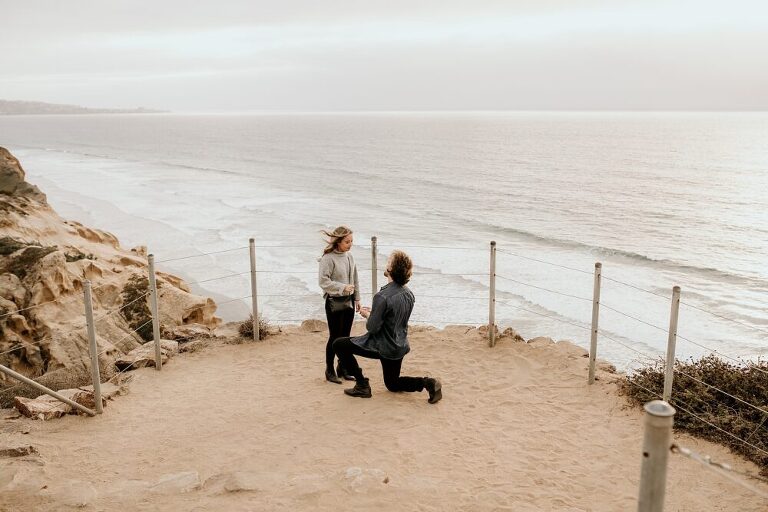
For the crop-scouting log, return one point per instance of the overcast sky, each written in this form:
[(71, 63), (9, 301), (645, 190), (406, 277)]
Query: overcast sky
[(250, 55)]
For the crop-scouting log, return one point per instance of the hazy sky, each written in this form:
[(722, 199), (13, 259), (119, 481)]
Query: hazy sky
[(243, 55)]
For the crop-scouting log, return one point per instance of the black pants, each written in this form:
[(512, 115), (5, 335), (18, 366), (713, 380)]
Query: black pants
[(346, 350), (339, 325)]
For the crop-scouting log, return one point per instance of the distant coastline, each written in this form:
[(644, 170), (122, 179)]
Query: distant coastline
[(11, 107)]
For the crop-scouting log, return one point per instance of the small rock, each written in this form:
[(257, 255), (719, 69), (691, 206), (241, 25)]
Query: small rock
[(141, 357), (193, 346), (314, 325), (238, 481), (185, 481), (72, 493), (360, 480), (41, 409), (189, 332), (541, 341)]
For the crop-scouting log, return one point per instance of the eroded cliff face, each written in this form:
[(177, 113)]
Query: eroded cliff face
[(44, 262)]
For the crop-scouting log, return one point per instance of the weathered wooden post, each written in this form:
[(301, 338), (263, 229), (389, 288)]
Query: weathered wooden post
[(254, 295), (492, 298), (657, 441), (595, 315), (374, 270), (669, 374), (95, 374), (155, 315)]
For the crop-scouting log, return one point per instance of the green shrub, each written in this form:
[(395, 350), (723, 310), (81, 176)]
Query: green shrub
[(136, 311), (22, 263), (747, 382), (10, 245)]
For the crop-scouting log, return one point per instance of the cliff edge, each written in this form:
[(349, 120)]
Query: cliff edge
[(44, 262)]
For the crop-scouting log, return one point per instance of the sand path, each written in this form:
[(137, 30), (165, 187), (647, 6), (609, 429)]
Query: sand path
[(518, 429)]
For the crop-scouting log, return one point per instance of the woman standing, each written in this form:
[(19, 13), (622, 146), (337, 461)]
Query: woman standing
[(338, 279)]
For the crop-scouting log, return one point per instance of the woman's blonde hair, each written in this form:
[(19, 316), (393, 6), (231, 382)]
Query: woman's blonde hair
[(335, 237)]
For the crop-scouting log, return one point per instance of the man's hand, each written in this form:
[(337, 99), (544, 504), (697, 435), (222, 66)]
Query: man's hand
[(364, 311)]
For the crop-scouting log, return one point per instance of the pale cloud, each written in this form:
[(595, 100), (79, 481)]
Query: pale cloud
[(394, 55)]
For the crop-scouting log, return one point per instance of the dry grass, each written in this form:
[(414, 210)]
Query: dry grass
[(725, 412), (246, 328)]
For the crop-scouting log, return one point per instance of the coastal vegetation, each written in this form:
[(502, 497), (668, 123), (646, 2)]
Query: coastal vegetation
[(730, 406), (136, 311), (246, 327)]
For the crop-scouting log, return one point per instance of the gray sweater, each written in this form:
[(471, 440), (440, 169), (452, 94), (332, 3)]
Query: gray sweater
[(337, 269)]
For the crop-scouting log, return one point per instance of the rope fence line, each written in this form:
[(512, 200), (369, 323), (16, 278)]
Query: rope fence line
[(542, 288), (504, 251), (721, 469)]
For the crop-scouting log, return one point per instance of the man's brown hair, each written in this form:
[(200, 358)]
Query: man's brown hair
[(401, 267)]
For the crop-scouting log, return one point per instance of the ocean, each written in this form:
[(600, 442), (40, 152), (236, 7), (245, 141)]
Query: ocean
[(660, 199)]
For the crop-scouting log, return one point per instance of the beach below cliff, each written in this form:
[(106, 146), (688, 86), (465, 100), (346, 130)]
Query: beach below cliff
[(239, 425)]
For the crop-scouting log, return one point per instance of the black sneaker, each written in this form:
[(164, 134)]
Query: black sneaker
[(362, 389), (434, 388)]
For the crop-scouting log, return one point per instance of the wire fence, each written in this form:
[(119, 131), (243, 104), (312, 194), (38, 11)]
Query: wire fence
[(494, 304)]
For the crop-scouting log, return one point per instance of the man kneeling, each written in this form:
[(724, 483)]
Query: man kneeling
[(387, 336)]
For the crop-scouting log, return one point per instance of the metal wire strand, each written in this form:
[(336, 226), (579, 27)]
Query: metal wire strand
[(217, 278), (202, 254), (130, 333), (542, 288), (734, 436), (721, 468), (724, 317), (634, 287), (755, 407), (504, 251), (757, 368), (606, 306), (546, 316), (112, 312), (646, 356)]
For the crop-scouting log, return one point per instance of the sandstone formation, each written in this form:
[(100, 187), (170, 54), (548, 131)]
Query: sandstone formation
[(44, 263)]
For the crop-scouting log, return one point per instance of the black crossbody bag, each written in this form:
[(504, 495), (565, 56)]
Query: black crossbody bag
[(338, 304)]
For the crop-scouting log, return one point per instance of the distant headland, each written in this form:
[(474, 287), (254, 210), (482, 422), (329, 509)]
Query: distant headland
[(9, 107)]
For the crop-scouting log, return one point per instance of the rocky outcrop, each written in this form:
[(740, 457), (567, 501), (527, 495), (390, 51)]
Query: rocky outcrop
[(12, 180), (44, 263)]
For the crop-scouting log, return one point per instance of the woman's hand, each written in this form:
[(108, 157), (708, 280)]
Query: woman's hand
[(349, 289), (365, 312), (357, 306)]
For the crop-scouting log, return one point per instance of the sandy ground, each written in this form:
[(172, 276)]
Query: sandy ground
[(518, 429)]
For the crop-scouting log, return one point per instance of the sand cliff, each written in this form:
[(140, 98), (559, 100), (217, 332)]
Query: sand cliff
[(44, 261)]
